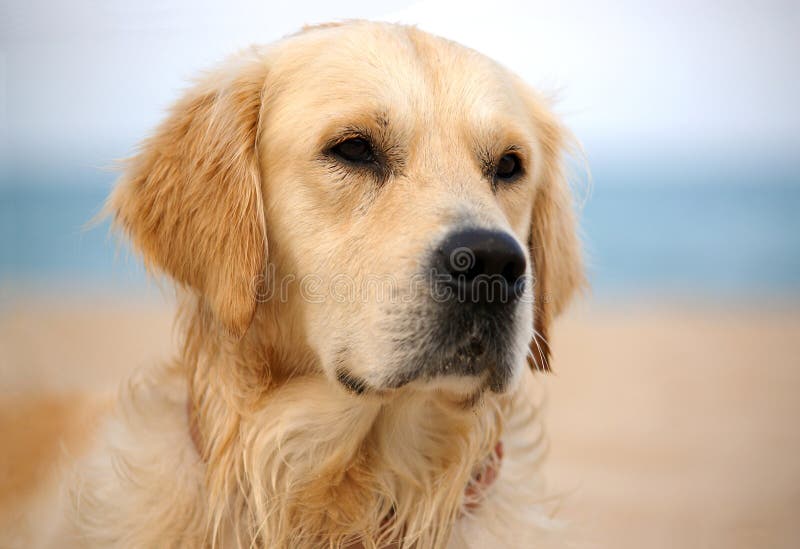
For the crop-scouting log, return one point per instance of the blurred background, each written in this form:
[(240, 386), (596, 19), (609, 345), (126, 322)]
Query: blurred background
[(673, 410)]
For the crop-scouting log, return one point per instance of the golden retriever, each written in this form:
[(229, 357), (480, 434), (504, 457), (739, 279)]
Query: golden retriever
[(372, 232)]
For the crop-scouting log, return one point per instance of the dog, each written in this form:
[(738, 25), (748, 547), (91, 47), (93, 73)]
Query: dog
[(371, 233)]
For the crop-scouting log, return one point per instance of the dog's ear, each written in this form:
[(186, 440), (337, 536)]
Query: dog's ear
[(190, 200), (554, 246)]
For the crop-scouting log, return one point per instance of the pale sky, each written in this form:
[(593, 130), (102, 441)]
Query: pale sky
[(81, 82)]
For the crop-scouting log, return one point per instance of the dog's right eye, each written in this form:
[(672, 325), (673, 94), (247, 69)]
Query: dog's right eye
[(356, 150)]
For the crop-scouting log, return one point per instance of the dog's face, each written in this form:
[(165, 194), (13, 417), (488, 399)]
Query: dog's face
[(394, 197)]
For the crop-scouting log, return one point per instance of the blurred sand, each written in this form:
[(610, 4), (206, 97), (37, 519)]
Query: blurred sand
[(677, 427), (670, 426)]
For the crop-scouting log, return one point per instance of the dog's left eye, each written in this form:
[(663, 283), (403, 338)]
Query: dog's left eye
[(355, 150), (508, 167)]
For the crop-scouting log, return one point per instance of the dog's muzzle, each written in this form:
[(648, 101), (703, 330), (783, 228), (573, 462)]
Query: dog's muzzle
[(470, 321), (478, 280), (467, 327)]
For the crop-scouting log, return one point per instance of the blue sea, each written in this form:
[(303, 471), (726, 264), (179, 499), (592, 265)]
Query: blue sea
[(703, 235)]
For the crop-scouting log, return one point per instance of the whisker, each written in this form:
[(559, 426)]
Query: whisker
[(540, 366), (536, 337)]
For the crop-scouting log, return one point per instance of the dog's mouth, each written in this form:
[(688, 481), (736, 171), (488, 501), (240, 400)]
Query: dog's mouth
[(461, 346), (470, 359), (465, 368)]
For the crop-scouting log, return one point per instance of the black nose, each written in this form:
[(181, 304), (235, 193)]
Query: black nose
[(486, 266)]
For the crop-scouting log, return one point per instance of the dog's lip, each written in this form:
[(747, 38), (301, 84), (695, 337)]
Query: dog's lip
[(469, 359), (463, 386), (351, 382), (452, 373)]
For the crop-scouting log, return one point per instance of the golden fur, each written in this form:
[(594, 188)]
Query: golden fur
[(230, 196)]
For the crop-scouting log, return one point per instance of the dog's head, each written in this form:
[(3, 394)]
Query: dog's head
[(393, 198)]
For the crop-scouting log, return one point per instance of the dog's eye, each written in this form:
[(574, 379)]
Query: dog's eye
[(356, 150), (508, 167)]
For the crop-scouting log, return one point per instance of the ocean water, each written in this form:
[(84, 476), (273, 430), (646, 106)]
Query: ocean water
[(694, 237), (49, 241), (714, 239)]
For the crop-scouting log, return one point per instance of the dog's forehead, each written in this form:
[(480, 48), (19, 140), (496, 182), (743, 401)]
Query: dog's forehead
[(396, 70)]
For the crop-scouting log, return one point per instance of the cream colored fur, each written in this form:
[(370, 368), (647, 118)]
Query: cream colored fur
[(232, 194)]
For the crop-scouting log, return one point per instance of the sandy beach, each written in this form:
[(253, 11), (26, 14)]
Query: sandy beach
[(670, 425)]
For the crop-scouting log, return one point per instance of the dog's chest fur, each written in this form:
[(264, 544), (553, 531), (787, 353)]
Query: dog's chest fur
[(144, 483)]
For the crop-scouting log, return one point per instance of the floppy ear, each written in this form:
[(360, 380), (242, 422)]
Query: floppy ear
[(554, 247), (190, 201)]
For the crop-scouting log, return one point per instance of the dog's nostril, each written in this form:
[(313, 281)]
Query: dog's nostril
[(474, 270), (481, 257), (513, 270)]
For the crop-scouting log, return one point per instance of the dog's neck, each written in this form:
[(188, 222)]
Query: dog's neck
[(482, 479), (319, 461), (288, 453)]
